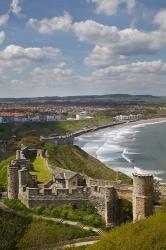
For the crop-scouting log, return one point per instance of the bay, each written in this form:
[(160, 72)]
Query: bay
[(122, 149)]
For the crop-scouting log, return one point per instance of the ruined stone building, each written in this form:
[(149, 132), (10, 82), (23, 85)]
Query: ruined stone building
[(68, 187)]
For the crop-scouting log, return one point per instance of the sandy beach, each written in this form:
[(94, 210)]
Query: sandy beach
[(145, 121)]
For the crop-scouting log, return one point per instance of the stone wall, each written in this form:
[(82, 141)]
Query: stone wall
[(143, 196), (13, 183), (162, 190), (105, 196)]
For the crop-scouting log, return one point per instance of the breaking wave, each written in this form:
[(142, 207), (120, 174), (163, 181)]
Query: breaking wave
[(126, 147)]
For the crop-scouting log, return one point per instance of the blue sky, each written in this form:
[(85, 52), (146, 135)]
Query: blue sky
[(78, 47)]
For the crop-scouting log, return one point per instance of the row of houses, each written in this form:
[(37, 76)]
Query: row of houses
[(9, 118), (31, 118), (129, 117)]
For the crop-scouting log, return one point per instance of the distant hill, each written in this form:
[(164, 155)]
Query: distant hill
[(148, 234), (115, 99), (73, 158)]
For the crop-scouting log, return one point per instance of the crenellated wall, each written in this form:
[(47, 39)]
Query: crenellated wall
[(105, 196)]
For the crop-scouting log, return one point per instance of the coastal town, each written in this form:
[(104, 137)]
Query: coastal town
[(83, 125)]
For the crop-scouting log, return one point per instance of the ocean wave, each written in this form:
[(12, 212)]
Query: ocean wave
[(116, 148), (125, 157)]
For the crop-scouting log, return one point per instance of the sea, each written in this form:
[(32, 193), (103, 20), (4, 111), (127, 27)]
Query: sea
[(123, 148)]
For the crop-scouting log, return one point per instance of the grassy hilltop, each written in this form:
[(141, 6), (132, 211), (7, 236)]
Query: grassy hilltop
[(148, 234), (69, 157)]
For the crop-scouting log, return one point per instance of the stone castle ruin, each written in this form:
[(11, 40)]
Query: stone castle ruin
[(68, 187)]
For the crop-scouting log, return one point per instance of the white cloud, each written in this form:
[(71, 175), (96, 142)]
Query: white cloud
[(95, 33), (49, 26), (103, 56), (4, 19), (111, 7), (112, 44), (18, 52), (160, 19), (60, 72), (153, 67), (2, 36), (127, 41), (15, 7)]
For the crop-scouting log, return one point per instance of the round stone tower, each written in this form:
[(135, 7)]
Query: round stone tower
[(13, 185), (143, 195), (110, 207)]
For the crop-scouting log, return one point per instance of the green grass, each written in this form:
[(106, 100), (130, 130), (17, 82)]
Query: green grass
[(41, 170), (12, 228), (25, 232), (148, 234), (75, 159), (3, 172), (58, 127), (84, 214), (15, 204), (44, 234)]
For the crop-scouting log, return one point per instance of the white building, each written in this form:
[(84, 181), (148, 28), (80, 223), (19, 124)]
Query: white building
[(1, 119), (21, 119), (129, 117), (82, 115), (35, 118), (51, 118)]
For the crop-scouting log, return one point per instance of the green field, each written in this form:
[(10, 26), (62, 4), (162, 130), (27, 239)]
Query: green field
[(41, 170), (24, 232), (3, 172), (148, 234)]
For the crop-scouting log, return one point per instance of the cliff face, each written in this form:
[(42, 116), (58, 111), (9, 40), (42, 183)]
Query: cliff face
[(73, 158)]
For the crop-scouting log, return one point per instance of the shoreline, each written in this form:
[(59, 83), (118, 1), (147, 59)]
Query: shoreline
[(117, 127), (120, 125), (135, 123)]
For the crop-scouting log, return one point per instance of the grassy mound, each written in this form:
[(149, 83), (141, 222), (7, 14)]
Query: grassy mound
[(18, 232), (146, 234), (75, 159), (41, 170), (3, 172)]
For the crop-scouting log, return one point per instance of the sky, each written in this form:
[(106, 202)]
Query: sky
[(82, 47)]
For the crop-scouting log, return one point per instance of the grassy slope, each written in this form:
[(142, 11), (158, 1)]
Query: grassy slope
[(148, 234), (85, 214), (3, 172), (40, 169), (28, 233), (75, 159), (46, 128), (59, 127)]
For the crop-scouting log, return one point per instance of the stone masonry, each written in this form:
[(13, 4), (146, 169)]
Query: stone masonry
[(67, 187)]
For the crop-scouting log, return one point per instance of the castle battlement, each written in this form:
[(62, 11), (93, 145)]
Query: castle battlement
[(68, 187)]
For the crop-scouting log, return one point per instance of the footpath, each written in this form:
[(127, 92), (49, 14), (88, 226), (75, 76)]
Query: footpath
[(98, 231)]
